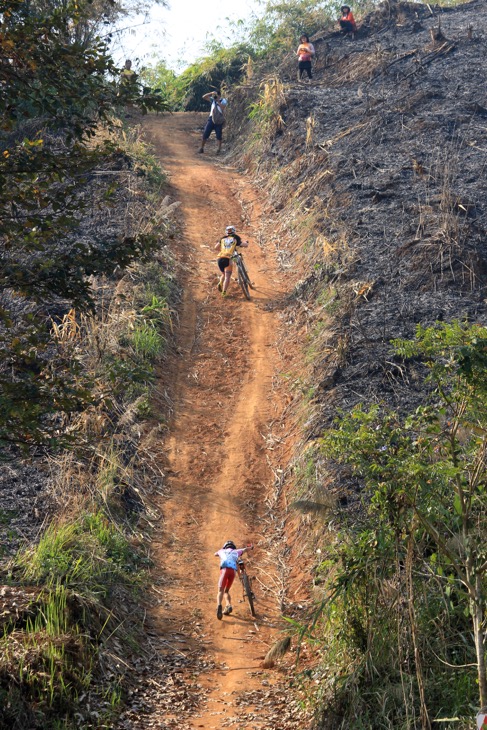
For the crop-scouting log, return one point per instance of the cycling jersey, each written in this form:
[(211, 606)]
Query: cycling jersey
[(228, 244), (229, 557)]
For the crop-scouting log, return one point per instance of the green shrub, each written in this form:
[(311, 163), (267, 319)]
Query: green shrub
[(406, 580), (147, 341)]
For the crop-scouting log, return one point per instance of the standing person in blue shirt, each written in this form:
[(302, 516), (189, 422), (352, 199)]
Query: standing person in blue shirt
[(216, 120), (228, 555)]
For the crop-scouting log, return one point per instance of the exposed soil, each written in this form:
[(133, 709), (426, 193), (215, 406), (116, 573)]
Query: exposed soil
[(220, 458)]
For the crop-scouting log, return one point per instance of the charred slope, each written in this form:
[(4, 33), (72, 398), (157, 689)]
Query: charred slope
[(386, 151)]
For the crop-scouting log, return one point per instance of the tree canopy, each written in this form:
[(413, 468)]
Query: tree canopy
[(58, 88)]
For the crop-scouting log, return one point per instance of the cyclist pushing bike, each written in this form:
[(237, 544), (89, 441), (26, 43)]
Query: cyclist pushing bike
[(226, 248), (229, 556)]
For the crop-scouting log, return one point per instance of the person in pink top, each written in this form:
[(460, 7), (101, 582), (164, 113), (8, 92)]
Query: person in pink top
[(229, 556), (305, 53)]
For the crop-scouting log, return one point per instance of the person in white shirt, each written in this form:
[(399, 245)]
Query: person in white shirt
[(216, 120)]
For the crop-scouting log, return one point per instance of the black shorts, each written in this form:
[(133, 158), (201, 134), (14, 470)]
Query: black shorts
[(210, 126), (223, 263)]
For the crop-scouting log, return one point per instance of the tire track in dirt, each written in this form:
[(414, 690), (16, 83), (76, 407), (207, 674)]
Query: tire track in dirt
[(215, 453)]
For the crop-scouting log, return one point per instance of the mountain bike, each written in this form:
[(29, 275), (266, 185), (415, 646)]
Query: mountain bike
[(242, 276), (246, 582)]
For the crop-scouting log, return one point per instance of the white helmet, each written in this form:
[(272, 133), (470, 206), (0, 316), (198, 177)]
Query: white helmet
[(230, 229)]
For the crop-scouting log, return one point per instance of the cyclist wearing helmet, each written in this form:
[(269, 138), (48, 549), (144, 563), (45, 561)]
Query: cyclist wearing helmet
[(226, 247), (228, 555)]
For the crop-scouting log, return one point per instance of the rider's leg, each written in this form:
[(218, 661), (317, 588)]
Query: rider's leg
[(219, 595), (228, 599), (228, 607), (227, 576), (226, 278), (221, 265)]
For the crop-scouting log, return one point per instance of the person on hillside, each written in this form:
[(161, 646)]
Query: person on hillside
[(226, 247), (216, 120), (127, 87), (229, 554), (347, 21), (128, 75), (304, 53)]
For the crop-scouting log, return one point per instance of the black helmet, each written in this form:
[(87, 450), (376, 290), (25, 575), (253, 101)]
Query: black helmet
[(345, 7), (229, 544)]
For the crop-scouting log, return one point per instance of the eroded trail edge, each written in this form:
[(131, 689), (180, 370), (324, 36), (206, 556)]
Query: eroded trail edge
[(216, 455)]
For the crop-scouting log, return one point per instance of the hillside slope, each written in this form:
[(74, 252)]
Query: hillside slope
[(378, 166)]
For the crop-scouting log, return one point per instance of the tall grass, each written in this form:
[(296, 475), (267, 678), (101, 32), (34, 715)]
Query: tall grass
[(47, 654)]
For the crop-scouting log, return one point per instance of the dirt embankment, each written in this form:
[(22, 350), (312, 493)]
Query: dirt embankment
[(220, 457)]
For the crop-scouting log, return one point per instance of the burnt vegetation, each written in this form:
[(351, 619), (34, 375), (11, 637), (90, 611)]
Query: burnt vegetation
[(386, 153)]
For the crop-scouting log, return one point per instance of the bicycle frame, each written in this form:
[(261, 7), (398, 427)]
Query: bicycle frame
[(237, 258)]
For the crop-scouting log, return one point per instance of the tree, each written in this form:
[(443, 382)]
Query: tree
[(55, 93), (225, 66), (163, 79)]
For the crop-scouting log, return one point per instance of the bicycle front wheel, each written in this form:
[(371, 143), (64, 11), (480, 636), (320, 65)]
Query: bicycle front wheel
[(243, 282), (246, 275), (248, 592)]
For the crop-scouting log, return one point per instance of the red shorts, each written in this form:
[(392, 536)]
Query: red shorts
[(227, 576)]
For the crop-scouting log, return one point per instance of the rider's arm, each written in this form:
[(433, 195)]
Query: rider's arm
[(209, 96), (217, 245), (245, 549), (244, 244)]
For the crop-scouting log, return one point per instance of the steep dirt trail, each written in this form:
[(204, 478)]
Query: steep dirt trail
[(217, 462)]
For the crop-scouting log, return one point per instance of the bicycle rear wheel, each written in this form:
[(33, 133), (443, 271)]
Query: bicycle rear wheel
[(248, 592), (243, 281)]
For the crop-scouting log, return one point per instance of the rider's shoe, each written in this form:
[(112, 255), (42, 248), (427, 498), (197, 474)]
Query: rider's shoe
[(227, 610), (224, 293), (219, 613)]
